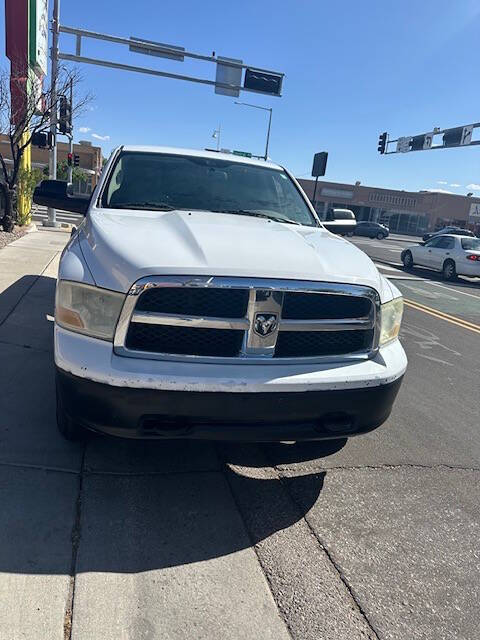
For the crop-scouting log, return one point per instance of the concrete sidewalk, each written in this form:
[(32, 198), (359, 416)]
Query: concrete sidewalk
[(109, 539)]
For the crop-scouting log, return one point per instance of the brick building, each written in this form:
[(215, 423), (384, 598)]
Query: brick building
[(409, 212)]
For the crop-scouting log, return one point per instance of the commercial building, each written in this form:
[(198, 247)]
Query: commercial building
[(408, 212), (90, 160)]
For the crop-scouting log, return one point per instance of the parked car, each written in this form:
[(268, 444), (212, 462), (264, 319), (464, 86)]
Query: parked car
[(201, 297), (452, 255), (371, 230), (340, 221), (457, 231)]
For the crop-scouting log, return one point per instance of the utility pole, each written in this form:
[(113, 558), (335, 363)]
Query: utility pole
[(256, 106), (70, 139), (52, 160)]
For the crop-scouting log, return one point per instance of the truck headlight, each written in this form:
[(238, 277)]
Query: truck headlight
[(86, 309), (392, 313)]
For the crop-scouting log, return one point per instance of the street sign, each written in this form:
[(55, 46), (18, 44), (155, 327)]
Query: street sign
[(467, 134), (403, 144), (245, 154), (263, 82), (319, 164), (226, 74), (155, 52), (427, 144)]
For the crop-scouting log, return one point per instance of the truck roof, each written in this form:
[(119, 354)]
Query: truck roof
[(201, 154)]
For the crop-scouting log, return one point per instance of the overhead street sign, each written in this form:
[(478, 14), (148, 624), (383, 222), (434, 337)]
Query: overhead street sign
[(403, 144), (227, 74), (245, 154), (446, 138), (467, 135), (171, 52), (263, 82)]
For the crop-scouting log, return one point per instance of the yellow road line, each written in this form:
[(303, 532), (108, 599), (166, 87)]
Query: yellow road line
[(443, 316)]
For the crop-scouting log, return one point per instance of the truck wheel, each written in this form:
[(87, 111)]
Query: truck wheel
[(407, 260), (380, 235), (449, 270), (349, 234), (69, 429)]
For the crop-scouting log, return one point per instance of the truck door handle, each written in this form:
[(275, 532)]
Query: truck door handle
[(448, 253)]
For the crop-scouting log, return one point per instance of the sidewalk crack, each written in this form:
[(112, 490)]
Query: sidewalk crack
[(76, 535)]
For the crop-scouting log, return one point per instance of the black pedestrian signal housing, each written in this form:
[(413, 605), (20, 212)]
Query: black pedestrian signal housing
[(40, 140), (76, 160), (382, 142)]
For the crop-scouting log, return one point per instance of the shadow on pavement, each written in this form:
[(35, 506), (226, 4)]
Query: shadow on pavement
[(137, 506)]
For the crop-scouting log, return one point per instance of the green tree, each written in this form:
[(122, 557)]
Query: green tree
[(77, 174)]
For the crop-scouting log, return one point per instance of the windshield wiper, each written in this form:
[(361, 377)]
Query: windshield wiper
[(256, 214), (157, 206)]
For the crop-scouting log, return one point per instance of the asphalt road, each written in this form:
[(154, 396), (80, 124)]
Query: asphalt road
[(375, 538)]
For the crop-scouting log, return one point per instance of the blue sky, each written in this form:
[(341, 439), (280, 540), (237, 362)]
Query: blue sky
[(353, 69)]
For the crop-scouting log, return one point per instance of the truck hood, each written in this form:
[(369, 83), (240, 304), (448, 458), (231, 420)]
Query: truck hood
[(121, 246)]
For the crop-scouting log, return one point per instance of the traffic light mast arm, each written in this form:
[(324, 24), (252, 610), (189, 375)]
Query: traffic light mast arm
[(161, 50), (454, 137)]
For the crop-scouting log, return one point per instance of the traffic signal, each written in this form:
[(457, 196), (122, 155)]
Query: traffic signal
[(382, 142), (76, 160), (65, 119), (70, 159)]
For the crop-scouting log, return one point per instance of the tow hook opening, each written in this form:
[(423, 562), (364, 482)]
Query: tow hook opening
[(163, 426), (338, 422)]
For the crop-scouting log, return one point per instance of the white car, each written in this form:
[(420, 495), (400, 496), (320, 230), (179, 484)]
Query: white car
[(451, 254), (202, 298)]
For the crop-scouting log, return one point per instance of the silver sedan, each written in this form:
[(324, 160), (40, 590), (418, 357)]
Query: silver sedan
[(452, 255)]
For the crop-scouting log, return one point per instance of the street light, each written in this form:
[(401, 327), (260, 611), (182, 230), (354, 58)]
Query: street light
[(216, 134), (256, 106)]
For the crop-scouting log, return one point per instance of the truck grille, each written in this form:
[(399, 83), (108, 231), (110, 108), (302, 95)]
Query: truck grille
[(220, 303), (244, 320), (216, 343)]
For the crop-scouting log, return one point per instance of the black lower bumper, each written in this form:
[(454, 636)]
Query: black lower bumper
[(149, 413)]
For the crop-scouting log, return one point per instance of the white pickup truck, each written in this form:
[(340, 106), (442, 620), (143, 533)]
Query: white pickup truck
[(202, 298)]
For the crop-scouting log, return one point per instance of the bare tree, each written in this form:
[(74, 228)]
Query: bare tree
[(32, 116)]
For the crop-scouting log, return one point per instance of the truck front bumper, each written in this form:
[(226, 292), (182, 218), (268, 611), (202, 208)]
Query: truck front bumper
[(137, 398)]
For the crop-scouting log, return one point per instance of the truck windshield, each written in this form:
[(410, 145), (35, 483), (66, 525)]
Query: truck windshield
[(142, 180)]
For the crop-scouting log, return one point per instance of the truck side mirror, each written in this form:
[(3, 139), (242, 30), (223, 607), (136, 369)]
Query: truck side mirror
[(58, 195)]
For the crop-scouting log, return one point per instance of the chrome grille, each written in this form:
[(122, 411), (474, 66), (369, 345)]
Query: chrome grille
[(243, 320)]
